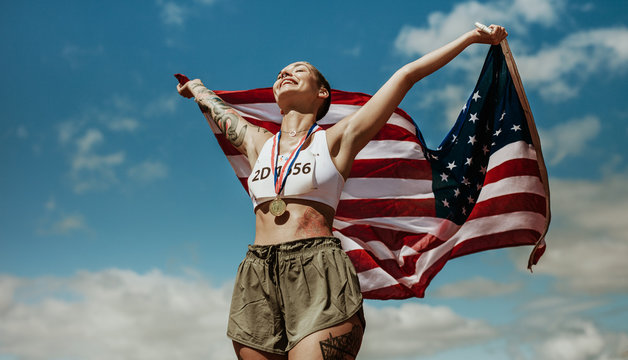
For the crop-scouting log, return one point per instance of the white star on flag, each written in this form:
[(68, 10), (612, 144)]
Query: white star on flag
[(476, 96), (474, 118)]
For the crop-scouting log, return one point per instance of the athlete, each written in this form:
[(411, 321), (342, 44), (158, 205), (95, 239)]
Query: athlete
[(297, 294)]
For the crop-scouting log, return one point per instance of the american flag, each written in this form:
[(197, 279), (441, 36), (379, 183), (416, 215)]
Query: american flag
[(406, 209)]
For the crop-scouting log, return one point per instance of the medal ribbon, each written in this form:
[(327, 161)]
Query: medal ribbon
[(280, 179)]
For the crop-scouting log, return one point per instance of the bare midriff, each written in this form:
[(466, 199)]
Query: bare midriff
[(303, 219)]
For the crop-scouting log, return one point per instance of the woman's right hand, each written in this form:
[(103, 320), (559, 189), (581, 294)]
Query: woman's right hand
[(189, 88)]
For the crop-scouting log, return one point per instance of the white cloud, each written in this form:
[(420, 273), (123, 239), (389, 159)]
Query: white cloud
[(166, 104), (451, 98), (91, 138), (569, 138), (113, 314), (69, 224), (443, 28), (476, 288), (414, 329), (127, 124), (92, 165), (558, 71), (148, 171), (91, 170), (172, 13), (588, 239), (121, 314)]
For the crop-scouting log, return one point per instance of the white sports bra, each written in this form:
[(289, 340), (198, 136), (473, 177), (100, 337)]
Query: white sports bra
[(313, 176)]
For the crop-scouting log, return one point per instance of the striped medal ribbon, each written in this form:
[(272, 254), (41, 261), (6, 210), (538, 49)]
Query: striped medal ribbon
[(277, 205)]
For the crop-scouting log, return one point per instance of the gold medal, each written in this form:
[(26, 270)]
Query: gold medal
[(277, 206)]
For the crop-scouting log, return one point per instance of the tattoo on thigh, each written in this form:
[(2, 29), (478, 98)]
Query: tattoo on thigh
[(337, 348)]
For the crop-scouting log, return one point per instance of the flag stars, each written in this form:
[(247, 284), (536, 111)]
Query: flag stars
[(499, 131), (456, 192), (474, 118), (469, 161), (451, 165), (516, 128), (464, 210), (465, 181), (476, 96), (483, 170), (478, 187), (444, 177), (485, 149), (453, 137), (445, 203), (502, 118), (472, 140), (470, 199)]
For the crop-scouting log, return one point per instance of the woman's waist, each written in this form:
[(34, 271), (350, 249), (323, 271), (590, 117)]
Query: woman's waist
[(301, 220)]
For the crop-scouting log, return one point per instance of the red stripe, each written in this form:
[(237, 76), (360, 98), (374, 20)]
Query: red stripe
[(392, 168), (495, 241), (508, 204), (364, 261), (515, 167), (373, 208)]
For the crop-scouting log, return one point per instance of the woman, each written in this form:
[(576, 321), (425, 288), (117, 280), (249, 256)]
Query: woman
[(296, 294)]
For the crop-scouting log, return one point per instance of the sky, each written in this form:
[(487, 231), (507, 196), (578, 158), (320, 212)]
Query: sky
[(122, 224)]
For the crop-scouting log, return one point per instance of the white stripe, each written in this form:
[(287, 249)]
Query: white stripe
[(338, 112), (240, 165), (442, 228), (374, 279), (260, 111), (516, 150), (512, 185), (391, 149), (386, 188)]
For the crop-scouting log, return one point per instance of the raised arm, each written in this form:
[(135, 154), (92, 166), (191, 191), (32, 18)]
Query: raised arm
[(243, 135), (352, 133)]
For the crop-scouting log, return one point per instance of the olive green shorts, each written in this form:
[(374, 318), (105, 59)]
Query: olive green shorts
[(287, 291)]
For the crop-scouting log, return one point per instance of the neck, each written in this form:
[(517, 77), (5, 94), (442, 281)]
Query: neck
[(295, 121)]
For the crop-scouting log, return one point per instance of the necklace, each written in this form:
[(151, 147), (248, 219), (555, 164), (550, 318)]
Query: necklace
[(293, 133)]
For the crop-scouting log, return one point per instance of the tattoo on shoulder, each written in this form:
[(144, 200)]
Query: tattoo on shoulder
[(341, 346)]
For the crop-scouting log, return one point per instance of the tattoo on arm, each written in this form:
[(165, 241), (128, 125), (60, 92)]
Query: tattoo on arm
[(227, 119), (341, 346)]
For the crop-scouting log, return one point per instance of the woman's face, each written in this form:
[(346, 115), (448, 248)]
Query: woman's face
[(296, 78)]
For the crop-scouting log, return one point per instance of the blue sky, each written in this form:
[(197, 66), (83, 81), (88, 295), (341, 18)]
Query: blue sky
[(122, 224)]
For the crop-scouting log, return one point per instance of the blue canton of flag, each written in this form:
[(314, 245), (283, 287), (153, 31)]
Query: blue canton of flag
[(491, 118)]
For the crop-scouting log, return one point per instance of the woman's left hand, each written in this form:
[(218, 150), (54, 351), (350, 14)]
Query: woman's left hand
[(498, 34)]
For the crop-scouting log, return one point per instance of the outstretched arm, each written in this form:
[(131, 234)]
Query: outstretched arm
[(352, 133), (244, 136)]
